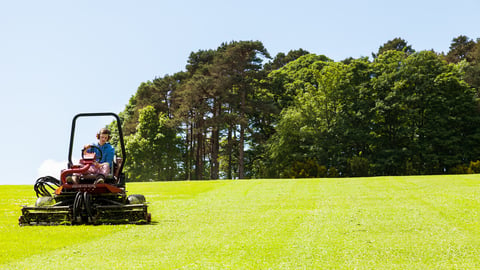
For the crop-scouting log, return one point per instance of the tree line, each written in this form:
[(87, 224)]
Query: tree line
[(236, 112)]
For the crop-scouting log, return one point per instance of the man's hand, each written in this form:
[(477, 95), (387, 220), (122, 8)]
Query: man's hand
[(85, 148)]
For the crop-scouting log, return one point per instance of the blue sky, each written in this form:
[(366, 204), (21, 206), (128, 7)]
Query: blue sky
[(60, 58)]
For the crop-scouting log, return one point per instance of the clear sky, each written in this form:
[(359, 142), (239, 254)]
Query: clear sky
[(60, 58)]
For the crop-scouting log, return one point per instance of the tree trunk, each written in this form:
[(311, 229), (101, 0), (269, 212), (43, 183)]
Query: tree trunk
[(229, 152), (199, 153), (215, 142), (241, 152), (241, 143), (188, 156)]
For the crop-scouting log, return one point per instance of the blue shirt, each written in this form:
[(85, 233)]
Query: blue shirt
[(108, 153)]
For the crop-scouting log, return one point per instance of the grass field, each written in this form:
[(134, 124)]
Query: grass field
[(430, 222)]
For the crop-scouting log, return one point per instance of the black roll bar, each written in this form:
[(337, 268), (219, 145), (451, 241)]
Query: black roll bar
[(120, 134)]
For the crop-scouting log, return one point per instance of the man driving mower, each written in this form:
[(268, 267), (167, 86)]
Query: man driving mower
[(103, 164), (90, 192)]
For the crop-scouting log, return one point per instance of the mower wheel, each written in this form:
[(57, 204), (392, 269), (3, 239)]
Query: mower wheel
[(44, 201), (136, 199)]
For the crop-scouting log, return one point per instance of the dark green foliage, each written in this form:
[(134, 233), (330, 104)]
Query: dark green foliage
[(461, 49), (307, 169), (396, 44), (231, 115), (359, 166), (407, 114)]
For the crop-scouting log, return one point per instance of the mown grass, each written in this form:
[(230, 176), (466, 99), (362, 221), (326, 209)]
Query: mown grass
[(429, 222)]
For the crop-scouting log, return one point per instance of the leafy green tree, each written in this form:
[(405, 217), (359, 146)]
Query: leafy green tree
[(192, 111), (304, 131), (281, 59), (353, 126), (421, 117), (455, 139), (388, 124), (472, 71), (239, 66), (461, 48), (284, 83), (153, 151), (396, 44), (157, 93)]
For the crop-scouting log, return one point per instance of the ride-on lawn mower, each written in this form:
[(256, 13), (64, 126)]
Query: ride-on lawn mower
[(86, 200)]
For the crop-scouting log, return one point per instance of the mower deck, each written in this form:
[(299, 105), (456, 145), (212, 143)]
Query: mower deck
[(86, 204)]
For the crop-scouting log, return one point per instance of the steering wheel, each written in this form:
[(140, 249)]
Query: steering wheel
[(97, 158)]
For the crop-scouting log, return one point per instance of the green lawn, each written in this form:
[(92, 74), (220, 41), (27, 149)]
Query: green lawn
[(429, 222)]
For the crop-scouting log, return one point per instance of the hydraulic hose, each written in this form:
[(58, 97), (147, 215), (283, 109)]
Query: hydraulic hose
[(43, 184), (87, 200), (83, 200)]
